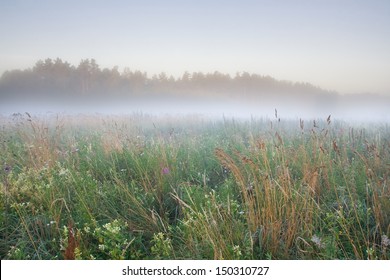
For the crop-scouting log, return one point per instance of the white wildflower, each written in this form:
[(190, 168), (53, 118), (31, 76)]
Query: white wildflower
[(237, 251), (102, 247), (317, 241), (385, 240), (63, 172), (113, 227), (87, 229)]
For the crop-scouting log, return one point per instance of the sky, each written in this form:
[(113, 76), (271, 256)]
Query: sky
[(339, 45)]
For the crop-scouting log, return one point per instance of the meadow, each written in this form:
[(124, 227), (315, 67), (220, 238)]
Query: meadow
[(144, 187)]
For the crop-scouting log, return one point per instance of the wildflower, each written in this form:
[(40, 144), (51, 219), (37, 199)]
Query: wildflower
[(87, 229), (113, 227), (385, 240), (63, 171), (165, 170), (317, 241), (237, 251)]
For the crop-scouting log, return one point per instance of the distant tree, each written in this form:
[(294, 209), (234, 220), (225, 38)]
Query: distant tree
[(88, 71), (63, 75), (135, 82), (186, 77), (115, 84)]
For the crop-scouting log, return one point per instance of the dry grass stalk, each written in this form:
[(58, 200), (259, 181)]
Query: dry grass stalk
[(42, 140)]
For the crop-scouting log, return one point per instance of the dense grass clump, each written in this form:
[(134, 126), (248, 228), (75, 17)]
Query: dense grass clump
[(141, 187)]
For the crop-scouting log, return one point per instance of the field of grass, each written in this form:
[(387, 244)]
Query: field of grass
[(142, 187)]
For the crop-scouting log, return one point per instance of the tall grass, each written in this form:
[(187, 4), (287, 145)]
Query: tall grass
[(141, 187)]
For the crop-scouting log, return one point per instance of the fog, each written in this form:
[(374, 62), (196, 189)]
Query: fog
[(365, 110), (55, 86)]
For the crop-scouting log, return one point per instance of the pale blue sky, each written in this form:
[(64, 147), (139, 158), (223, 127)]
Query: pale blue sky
[(340, 45)]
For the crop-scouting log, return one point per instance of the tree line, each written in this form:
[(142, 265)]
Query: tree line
[(55, 77)]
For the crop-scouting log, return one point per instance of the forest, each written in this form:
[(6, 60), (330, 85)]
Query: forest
[(62, 85), (59, 77)]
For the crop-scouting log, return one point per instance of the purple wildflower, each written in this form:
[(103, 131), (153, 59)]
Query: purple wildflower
[(165, 170)]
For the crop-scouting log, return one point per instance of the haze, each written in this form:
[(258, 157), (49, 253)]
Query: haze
[(337, 45)]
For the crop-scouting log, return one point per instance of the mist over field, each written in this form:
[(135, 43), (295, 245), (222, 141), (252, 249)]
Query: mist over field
[(58, 87), (359, 111)]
